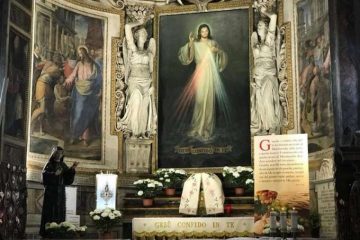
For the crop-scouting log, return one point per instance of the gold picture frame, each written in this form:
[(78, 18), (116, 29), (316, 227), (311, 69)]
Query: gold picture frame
[(181, 18), (113, 20)]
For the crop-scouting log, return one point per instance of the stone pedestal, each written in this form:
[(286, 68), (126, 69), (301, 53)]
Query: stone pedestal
[(138, 155), (325, 190)]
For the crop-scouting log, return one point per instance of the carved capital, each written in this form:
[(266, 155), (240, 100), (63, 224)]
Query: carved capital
[(136, 12)]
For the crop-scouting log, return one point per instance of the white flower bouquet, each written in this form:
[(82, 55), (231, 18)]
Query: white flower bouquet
[(170, 177), (64, 230), (148, 188), (105, 219), (238, 177)]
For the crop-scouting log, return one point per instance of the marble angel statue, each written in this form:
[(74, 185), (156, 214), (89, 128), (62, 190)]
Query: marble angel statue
[(265, 103), (140, 117)]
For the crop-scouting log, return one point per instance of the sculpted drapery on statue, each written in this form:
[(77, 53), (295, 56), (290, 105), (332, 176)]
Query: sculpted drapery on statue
[(140, 117), (265, 103)]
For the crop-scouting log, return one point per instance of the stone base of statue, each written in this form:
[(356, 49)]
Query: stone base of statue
[(138, 155)]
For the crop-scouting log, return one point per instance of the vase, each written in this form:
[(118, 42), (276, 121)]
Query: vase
[(148, 202), (105, 235), (239, 191), (170, 191)]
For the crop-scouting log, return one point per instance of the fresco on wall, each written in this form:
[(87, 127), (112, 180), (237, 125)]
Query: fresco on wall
[(316, 117), (67, 82), (18, 62), (204, 109)]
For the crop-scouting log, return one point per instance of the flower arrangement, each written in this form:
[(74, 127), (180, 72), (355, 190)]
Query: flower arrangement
[(238, 177), (266, 196), (171, 178), (148, 188), (105, 219), (266, 200), (64, 230)]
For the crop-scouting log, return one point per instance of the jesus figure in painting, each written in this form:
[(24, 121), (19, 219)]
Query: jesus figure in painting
[(204, 88)]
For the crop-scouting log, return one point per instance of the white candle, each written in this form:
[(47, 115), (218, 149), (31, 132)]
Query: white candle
[(294, 219)]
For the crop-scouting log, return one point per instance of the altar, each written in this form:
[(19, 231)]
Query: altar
[(192, 227)]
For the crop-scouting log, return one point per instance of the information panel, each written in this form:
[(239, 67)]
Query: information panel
[(281, 175)]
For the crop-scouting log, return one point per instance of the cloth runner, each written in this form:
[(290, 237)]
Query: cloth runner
[(213, 194)]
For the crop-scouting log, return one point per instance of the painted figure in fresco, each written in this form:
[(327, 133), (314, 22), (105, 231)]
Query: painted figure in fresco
[(265, 105), (55, 176), (140, 117), (85, 96), (44, 96), (62, 99), (313, 83), (205, 86), (36, 64)]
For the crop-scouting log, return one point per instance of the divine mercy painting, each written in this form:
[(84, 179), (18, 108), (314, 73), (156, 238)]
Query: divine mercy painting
[(67, 83), (203, 78)]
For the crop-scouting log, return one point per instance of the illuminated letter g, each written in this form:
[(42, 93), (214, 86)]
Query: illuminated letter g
[(265, 145)]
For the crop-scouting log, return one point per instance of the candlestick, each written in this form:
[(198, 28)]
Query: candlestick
[(294, 220), (283, 226), (273, 215), (273, 227)]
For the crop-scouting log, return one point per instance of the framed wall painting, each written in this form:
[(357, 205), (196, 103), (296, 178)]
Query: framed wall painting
[(314, 71), (69, 109), (203, 95), (65, 108), (17, 87)]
